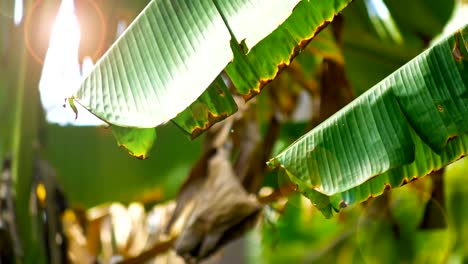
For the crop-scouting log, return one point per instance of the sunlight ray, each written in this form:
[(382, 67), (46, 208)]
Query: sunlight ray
[(61, 72)]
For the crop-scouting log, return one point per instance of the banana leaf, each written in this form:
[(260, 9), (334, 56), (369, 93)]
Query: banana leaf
[(411, 123), (161, 66)]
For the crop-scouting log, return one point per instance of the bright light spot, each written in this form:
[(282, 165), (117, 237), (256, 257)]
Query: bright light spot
[(382, 20), (121, 26), (122, 222), (458, 19), (378, 8), (18, 15), (61, 72)]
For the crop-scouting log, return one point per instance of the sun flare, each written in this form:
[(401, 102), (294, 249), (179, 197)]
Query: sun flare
[(61, 75)]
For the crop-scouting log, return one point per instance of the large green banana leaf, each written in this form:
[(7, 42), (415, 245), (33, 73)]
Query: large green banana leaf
[(175, 49), (251, 71), (412, 122), (170, 55)]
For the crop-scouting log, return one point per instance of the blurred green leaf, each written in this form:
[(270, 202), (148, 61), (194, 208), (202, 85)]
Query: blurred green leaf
[(134, 5), (24, 110), (370, 57), (391, 223), (456, 188), (359, 234), (6, 113), (420, 106), (427, 18), (323, 45), (302, 235), (7, 8), (4, 34)]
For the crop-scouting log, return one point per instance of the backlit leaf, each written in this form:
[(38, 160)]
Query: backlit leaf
[(137, 141), (412, 122)]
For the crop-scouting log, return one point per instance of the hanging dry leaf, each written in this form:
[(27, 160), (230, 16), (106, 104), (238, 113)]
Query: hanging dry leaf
[(221, 204)]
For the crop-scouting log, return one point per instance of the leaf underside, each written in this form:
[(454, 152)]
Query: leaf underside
[(250, 73), (411, 123), (167, 64), (169, 55), (252, 69)]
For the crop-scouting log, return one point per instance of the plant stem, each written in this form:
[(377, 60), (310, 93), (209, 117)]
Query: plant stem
[(24, 147)]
